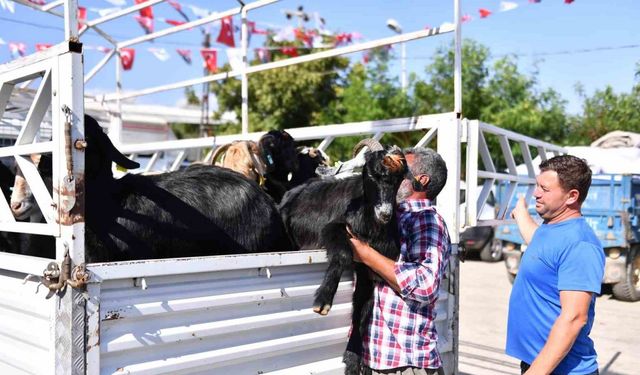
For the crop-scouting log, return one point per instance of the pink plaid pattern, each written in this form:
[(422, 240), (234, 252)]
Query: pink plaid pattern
[(402, 328)]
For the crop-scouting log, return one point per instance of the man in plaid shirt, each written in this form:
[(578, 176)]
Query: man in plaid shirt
[(401, 338)]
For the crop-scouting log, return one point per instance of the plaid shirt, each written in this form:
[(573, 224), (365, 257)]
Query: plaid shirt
[(402, 329)]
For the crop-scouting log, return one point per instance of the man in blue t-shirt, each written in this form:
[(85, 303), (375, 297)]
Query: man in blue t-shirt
[(551, 309)]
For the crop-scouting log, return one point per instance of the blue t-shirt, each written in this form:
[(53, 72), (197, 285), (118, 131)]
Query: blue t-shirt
[(561, 256)]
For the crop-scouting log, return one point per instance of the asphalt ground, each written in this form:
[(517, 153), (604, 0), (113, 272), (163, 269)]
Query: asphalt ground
[(484, 298)]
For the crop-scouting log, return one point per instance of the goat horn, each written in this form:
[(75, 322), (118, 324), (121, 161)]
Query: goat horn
[(219, 151), (371, 143)]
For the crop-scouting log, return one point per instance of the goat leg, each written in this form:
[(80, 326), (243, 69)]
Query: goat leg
[(362, 305), (334, 238)]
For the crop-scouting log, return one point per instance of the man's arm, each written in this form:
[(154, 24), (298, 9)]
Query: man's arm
[(526, 224), (573, 316), (377, 262)]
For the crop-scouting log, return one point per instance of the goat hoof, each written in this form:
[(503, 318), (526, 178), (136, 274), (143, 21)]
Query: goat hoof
[(322, 309)]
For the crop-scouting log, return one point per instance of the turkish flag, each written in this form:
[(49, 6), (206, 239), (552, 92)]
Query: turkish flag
[(174, 22), (226, 32), (145, 12), (82, 17), (145, 22), (290, 51), (568, 1), (127, 55), (484, 13), (185, 54), (210, 57), (17, 48), (42, 46)]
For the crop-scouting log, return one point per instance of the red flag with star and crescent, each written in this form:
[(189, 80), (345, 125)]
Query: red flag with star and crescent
[(226, 32), (127, 55), (210, 57)]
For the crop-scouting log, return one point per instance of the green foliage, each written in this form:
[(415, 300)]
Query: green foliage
[(606, 111), (289, 97)]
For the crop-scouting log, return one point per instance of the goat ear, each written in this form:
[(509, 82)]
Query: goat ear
[(101, 140)]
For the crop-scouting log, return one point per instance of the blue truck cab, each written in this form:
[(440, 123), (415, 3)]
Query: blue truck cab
[(612, 209)]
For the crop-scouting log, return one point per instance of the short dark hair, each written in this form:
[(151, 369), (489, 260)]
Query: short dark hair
[(430, 163), (573, 173)]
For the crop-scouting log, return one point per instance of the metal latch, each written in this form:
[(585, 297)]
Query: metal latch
[(57, 277)]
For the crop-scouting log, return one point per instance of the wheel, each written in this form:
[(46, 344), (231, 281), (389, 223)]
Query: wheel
[(629, 288), (492, 251)]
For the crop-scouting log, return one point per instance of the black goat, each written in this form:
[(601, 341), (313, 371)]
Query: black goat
[(273, 161), (316, 215), (309, 159), (202, 210)]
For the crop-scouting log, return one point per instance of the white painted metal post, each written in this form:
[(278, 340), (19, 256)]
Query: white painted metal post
[(449, 139), (244, 77), (67, 112), (71, 20), (403, 78), (115, 125)]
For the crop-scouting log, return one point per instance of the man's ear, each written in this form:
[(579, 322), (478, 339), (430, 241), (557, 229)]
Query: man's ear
[(424, 180), (572, 197)]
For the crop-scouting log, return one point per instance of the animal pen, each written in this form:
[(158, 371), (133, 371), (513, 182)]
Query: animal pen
[(239, 314)]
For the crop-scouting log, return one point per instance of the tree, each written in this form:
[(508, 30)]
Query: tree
[(495, 93), (293, 96), (606, 111)]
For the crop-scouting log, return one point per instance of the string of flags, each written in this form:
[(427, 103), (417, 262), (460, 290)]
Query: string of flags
[(318, 37)]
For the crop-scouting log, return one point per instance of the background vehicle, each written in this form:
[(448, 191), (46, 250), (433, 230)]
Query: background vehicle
[(611, 209), (479, 239)]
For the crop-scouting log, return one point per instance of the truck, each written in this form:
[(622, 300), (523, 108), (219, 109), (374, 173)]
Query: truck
[(612, 209)]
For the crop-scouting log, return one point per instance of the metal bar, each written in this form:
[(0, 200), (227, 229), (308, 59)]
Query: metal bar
[(473, 128), (291, 61), (37, 186), (526, 155), (485, 154), (506, 177), (18, 66), (33, 148), (427, 138), (159, 267), (301, 134), (244, 82), (152, 161), (70, 20), (504, 205), (482, 198), (179, 159), (121, 13), (25, 227), (488, 128), (99, 66), (5, 94), (325, 143), (23, 263), (457, 63), (51, 5), (38, 109), (93, 329), (508, 154)]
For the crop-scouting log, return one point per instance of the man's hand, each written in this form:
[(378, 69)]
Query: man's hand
[(526, 224), (520, 209), (357, 246)]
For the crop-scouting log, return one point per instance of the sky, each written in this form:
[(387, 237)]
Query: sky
[(591, 42)]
